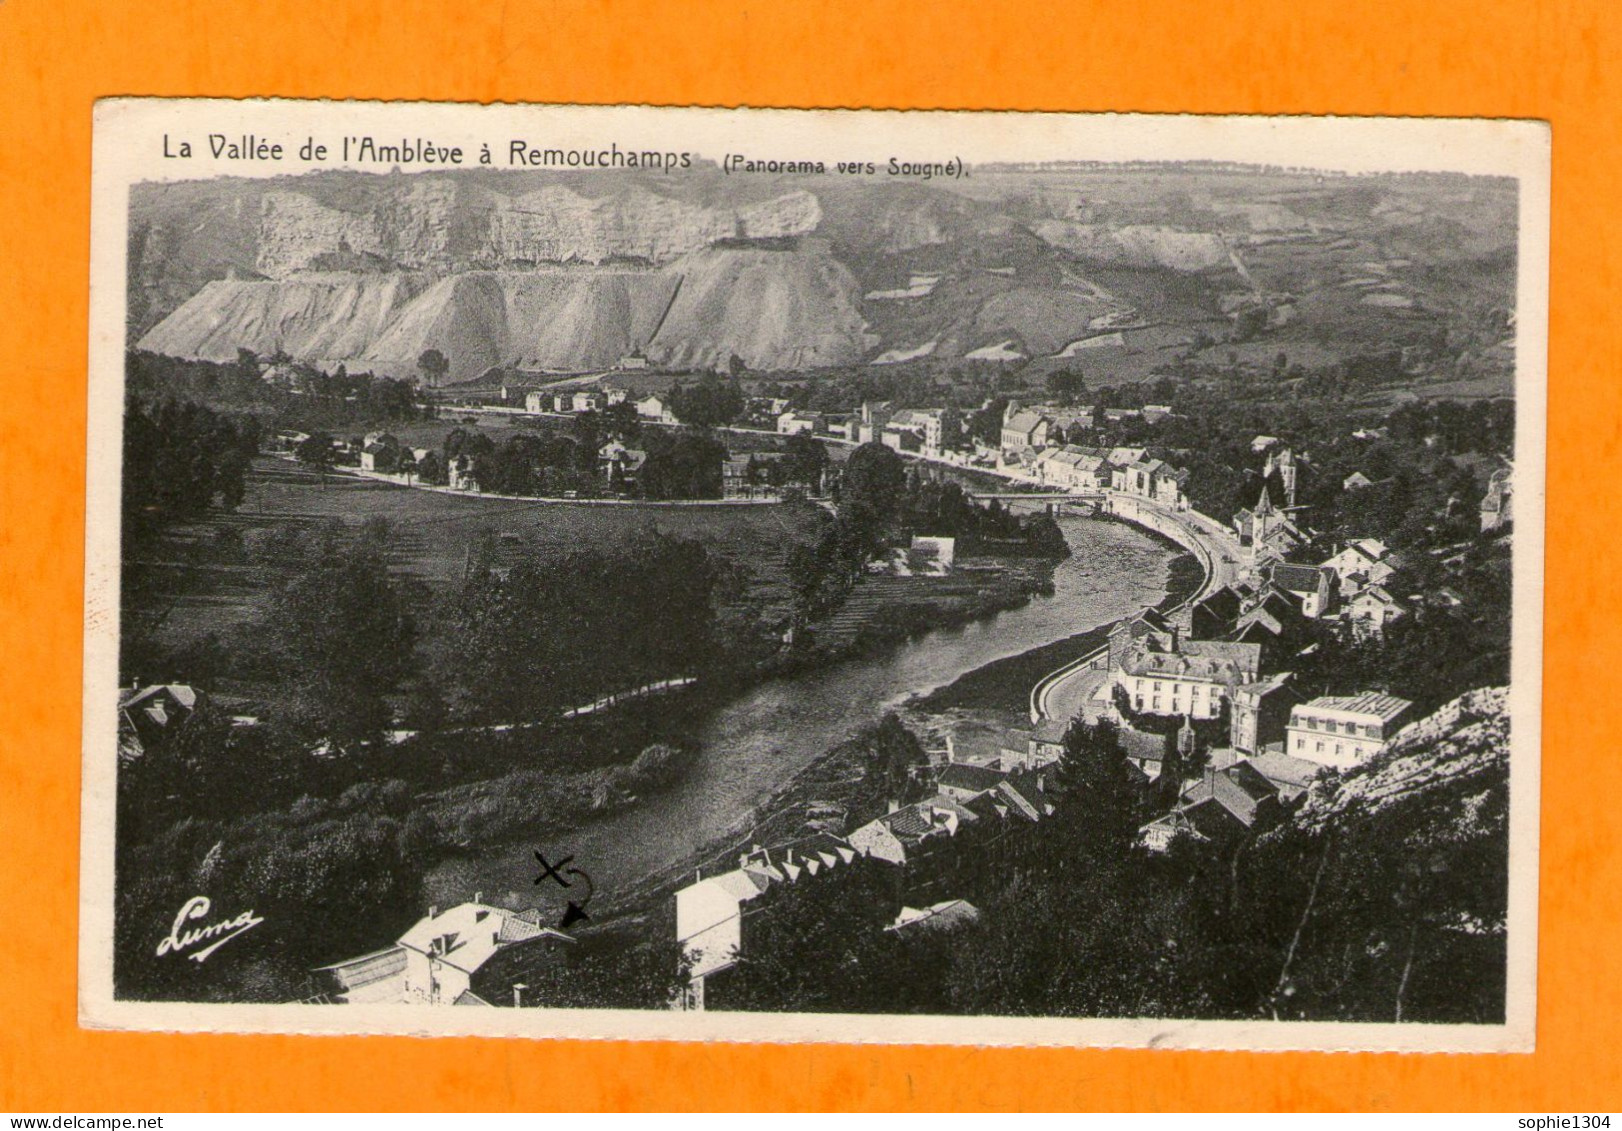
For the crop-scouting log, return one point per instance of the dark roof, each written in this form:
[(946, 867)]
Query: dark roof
[(1296, 578), (1051, 730), (962, 775), (1224, 604)]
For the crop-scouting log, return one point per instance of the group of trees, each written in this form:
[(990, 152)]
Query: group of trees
[(180, 459), (707, 403), (681, 463), (342, 628), (880, 504), (532, 639)]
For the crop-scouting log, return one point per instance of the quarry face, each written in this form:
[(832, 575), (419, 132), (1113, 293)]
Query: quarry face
[(571, 272)]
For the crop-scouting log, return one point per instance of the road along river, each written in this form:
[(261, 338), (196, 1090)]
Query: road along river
[(755, 744)]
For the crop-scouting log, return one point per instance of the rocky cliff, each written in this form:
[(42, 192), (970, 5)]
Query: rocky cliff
[(783, 272), (1392, 878), (441, 225), (775, 309)]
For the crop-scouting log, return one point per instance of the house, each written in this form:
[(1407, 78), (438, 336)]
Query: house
[(871, 421), (1043, 747), (902, 438), (1365, 561), (621, 465), (1273, 622), (655, 408), (587, 400), (1239, 795), (439, 960), (1150, 479), (1155, 413), (1261, 713), (636, 359), (962, 781), (1121, 457), (618, 390), (907, 833), (1356, 481), (460, 474), (1496, 504), (1371, 609), (1191, 677), (792, 423), (947, 915), (1341, 731), (1262, 443), (1219, 805), (538, 401), (1171, 487), (711, 912), (1312, 586), (380, 451), (1215, 615), (1023, 429), (1290, 776), (1145, 752), (1073, 467), (938, 428), (148, 715)]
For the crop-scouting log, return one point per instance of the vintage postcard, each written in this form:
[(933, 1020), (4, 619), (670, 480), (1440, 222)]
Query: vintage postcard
[(979, 578)]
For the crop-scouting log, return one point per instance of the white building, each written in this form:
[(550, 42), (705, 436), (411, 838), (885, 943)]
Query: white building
[(435, 961), (1192, 677), (1341, 731), (1365, 561), (655, 408), (792, 423), (1074, 468)]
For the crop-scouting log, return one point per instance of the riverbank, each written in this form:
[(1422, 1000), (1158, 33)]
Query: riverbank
[(1003, 682), (832, 782)]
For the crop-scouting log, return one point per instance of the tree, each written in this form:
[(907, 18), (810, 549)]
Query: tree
[(806, 459), (345, 629), (315, 451), (434, 366), (1067, 386), (871, 492)]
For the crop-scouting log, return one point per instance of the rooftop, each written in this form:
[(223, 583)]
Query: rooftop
[(1373, 703), (468, 935)]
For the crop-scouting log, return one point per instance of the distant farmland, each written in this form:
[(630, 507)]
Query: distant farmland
[(195, 584)]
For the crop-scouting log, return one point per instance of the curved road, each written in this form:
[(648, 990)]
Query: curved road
[(1064, 693)]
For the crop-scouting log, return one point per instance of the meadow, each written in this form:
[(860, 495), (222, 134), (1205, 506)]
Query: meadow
[(199, 578)]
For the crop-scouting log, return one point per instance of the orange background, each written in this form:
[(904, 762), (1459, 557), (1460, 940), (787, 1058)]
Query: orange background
[(1559, 61)]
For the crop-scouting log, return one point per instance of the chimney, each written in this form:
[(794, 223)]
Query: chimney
[(478, 897), (518, 994), (433, 911), (893, 806)]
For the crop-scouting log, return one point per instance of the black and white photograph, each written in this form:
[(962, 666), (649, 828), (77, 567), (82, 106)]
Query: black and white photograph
[(814, 575)]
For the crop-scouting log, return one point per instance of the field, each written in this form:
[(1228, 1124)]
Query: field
[(198, 579)]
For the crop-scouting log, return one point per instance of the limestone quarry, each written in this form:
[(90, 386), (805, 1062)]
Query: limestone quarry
[(571, 272)]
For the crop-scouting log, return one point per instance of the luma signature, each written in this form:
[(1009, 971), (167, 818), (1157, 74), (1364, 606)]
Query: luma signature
[(221, 932)]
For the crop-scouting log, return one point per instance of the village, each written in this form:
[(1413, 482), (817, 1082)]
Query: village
[(1201, 698)]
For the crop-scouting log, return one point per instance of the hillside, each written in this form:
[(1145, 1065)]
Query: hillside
[(1397, 874), (799, 272)]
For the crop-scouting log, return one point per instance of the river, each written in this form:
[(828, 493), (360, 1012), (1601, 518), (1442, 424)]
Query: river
[(755, 744)]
